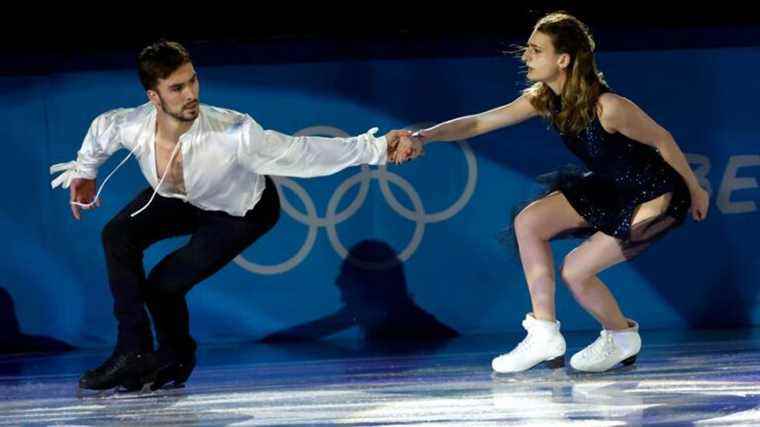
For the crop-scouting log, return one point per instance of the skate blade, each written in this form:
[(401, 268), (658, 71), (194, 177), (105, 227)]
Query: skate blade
[(556, 363), (623, 367), (549, 370), (148, 391), (629, 361), (86, 393)]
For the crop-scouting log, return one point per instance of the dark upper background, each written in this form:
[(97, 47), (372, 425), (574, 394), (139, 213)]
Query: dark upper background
[(43, 39)]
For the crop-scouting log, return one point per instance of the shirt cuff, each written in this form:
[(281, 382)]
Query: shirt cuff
[(380, 147)]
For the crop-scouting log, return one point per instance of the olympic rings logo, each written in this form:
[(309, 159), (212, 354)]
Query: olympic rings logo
[(363, 178)]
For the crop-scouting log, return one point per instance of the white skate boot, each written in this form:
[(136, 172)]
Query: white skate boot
[(544, 343), (611, 348)]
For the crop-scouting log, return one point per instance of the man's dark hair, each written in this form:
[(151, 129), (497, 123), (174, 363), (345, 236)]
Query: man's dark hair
[(159, 60)]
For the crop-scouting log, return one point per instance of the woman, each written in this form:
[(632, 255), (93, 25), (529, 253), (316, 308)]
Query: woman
[(638, 187)]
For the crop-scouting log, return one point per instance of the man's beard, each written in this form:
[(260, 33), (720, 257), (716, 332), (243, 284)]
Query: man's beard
[(178, 116)]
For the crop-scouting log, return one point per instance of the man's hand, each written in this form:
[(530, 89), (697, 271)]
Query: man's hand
[(82, 195), (394, 138), (408, 148)]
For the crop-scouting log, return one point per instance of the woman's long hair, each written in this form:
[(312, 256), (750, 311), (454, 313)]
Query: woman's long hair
[(584, 82)]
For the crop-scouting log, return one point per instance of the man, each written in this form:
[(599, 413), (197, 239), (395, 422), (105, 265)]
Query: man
[(207, 170)]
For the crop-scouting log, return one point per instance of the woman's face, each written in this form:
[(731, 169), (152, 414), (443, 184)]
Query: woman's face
[(542, 61)]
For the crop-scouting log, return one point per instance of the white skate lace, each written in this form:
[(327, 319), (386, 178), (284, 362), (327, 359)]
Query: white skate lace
[(525, 343), (603, 347)]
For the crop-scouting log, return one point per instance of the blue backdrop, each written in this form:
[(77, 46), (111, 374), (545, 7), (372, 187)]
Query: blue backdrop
[(440, 215)]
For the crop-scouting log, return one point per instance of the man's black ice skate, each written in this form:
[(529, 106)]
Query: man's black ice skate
[(174, 370), (115, 371)]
